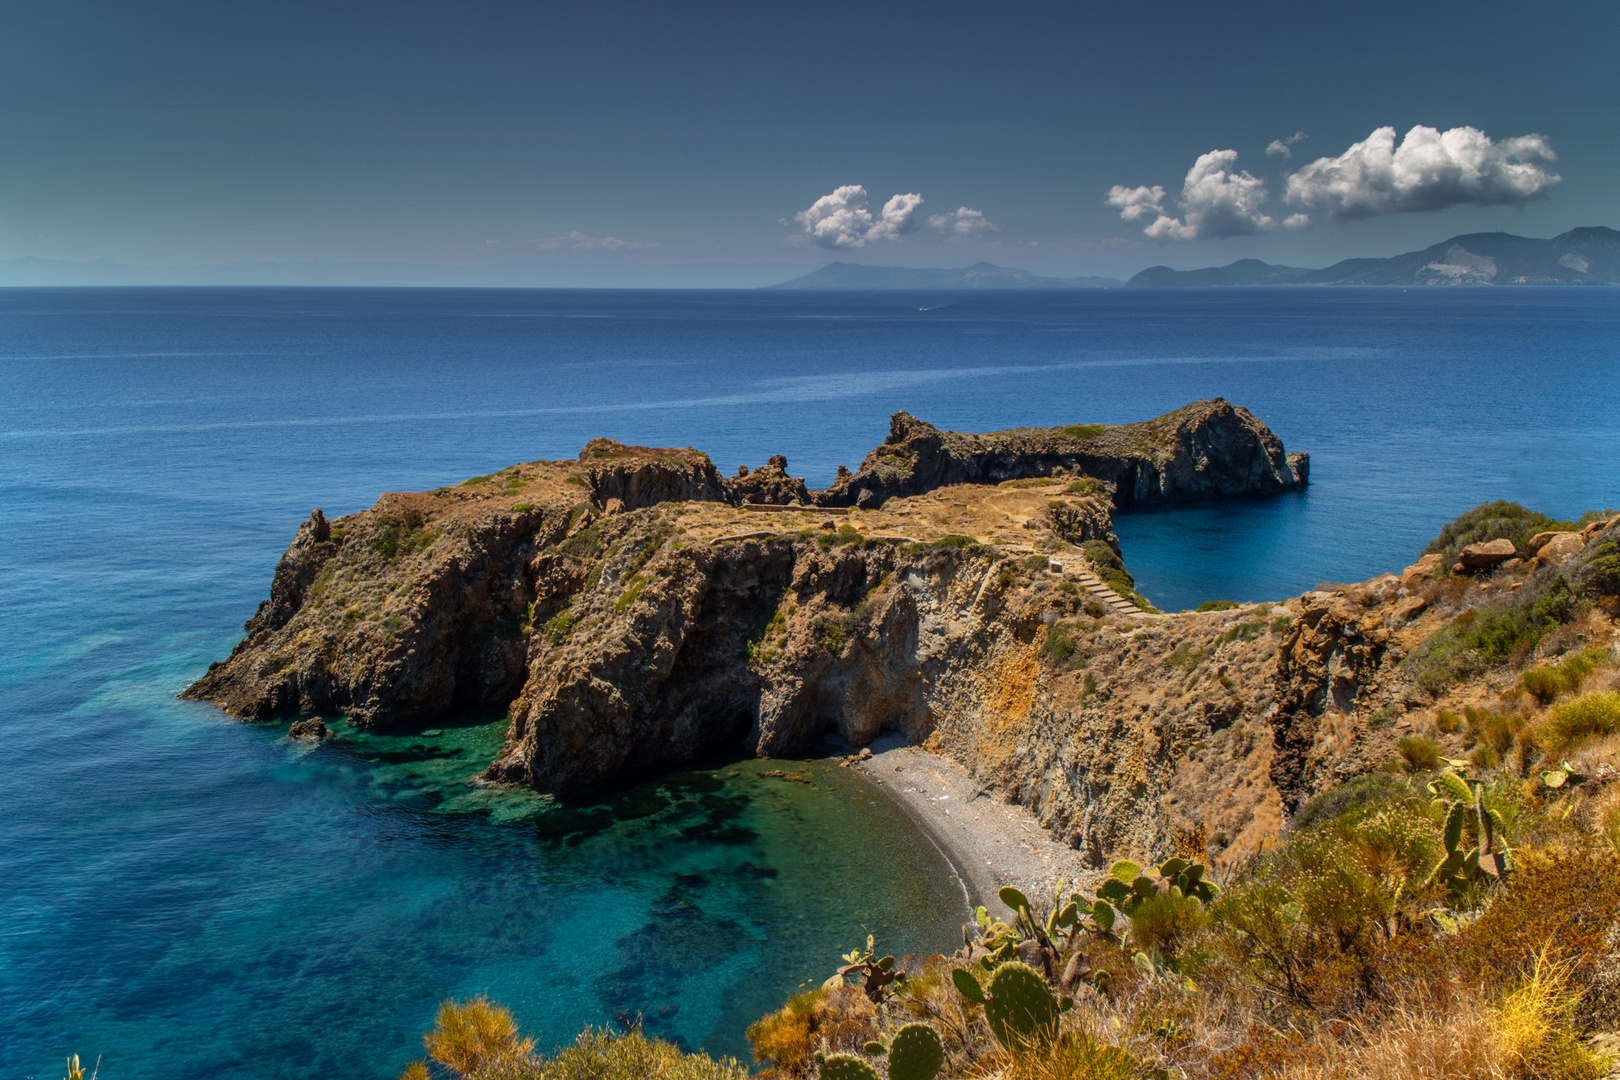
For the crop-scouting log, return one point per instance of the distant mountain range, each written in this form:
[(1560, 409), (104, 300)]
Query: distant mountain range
[(1589, 256), (1579, 257), (983, 275)]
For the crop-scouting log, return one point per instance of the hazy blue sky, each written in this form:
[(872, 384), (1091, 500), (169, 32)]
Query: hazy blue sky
[(669, 144)]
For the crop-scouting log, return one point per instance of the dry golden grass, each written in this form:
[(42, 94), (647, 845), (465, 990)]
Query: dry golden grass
[(1533, 1032), (1459, 1044)]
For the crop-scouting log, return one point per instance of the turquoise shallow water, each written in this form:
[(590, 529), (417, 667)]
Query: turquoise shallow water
[(194, 897)]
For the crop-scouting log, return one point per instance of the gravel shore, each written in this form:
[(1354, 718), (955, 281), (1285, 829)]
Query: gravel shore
[(989, 843)]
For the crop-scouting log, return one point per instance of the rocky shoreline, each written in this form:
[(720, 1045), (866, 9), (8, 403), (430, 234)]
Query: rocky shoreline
[(988, 842), (632, 613), (633, 610)]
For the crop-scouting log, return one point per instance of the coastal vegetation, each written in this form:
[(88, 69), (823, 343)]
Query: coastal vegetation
[(1454, 923), (1450, 909)]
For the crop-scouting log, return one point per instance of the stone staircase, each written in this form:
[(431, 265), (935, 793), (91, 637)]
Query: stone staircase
[(1108, 598)]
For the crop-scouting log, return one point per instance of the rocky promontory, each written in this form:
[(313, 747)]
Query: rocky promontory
[(633, 608)]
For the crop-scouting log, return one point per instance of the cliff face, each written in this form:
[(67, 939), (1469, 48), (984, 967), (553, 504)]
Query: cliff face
[(633, 609), (1205, 450)]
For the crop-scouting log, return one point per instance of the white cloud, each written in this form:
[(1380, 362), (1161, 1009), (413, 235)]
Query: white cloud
[(842, 220), (578, 241), (1285, 147), (1217, 199), (962, 222), (1137, 202), (1296, 221), (1429, 170)]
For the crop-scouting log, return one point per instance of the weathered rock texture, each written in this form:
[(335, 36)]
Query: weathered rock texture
[(1205, 450), (631, 641)]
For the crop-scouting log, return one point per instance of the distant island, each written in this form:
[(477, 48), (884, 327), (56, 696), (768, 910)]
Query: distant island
[(1586, 256), (981, 275)]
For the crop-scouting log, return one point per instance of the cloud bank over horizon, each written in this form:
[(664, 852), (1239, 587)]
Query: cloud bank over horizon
[(1428, 170), (843, 219)]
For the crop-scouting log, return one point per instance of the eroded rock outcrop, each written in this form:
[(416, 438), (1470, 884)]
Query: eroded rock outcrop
[(1205, 450), (631, 614)]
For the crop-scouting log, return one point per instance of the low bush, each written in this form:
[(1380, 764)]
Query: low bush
[(1447, 722), (470, 1035), (1492, 521), (1599, 576), (1217, 605), (1373, 789), (1060, 644), (1494, 730), (1418, 754), (1546, 683), (1585, 718), (1086, 485), (1492, 635), (1083, 431)]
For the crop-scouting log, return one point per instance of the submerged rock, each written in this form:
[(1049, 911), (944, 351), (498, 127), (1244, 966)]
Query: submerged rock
[(312, 728)]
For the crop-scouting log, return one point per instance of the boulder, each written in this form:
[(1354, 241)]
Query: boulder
[(1421, 570), (1560, 547), (1410, 608), (1597, 527), (1487, 555), (613, 506), (1540, 540), (313, 728)]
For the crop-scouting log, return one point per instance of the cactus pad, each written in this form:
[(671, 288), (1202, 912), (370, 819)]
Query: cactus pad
[(915, 1053), (1022, 1012), (846, 1067)]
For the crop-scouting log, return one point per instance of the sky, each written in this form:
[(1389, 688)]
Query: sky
[(736, 144)]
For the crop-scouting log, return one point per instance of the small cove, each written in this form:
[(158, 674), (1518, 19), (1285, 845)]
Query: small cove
[(190, 896)]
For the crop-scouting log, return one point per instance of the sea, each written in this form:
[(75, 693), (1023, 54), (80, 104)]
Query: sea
[(186, 895)]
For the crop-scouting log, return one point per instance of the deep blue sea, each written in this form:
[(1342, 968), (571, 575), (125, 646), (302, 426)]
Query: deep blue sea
[(189, 896)]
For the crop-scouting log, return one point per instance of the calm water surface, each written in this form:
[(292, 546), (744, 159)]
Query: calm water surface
[(194, 897)]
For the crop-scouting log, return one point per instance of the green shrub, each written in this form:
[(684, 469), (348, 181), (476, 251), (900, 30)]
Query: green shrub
[(632, 593), (400, 534), (1068, 587), (1544, 684), (1599, 576), (477, 480), (1495, 730), (1167, 922), (1060, 644), (1585, 718), (1361, 792), (1185, 658), (1217, 605), (522, 508), (560, 626), (1037, 563), (608, 1055), (1101, 555), (577, 481), (1492, 635), (1419, 754), (1447, 722), (1083, 431), (1492, 521), (1086, 485)]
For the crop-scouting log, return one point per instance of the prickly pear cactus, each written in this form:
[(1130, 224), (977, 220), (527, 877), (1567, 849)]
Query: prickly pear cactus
[(1022, 1012), (846, 1067), (915, 1053)]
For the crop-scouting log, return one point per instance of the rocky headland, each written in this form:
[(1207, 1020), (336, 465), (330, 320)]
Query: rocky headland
[(634, 609)]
